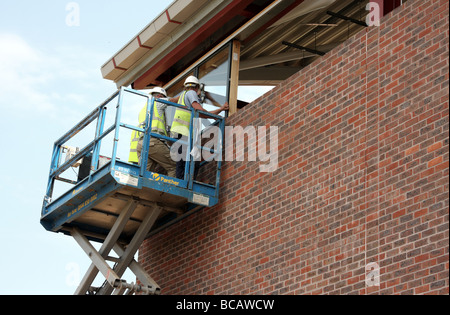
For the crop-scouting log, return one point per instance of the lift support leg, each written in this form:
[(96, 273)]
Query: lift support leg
[(116, 285)]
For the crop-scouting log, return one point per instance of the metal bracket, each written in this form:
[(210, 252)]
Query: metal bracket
[(346, 18), (313, 51)]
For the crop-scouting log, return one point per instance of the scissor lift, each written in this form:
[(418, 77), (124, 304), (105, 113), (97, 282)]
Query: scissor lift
[(118, 203)]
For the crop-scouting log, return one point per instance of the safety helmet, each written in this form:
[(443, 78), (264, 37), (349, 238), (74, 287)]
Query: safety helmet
[(159, 90), (191, 81)]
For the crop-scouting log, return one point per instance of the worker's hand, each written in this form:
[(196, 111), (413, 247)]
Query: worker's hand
[(225, 106)]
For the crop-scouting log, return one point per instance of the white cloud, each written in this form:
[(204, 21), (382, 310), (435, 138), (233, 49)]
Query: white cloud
[(46, 83), (21, 74)]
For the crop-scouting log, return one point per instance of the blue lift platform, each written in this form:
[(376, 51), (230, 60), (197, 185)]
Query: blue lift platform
[(117, 203)]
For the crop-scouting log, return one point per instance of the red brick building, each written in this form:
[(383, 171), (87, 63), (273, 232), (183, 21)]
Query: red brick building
[(361, 189)]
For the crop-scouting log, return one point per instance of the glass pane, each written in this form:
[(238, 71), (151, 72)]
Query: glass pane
[(214, 75)]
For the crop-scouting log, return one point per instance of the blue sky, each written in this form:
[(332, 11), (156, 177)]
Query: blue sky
[(49, 80)]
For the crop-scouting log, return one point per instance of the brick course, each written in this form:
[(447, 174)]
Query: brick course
[(362, 178)]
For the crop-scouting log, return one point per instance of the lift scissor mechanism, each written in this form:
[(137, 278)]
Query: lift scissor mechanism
[(99, 258)]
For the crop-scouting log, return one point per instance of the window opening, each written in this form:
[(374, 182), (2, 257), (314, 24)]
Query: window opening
[(213, 74)]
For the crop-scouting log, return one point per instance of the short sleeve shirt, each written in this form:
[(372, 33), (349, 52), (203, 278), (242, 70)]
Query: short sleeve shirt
[(191, 97)]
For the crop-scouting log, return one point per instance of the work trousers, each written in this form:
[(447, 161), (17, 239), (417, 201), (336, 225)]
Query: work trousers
[(181, 164), (158, 153)]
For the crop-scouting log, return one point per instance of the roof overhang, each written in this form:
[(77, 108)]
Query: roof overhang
[(180, 29), (191, 29)]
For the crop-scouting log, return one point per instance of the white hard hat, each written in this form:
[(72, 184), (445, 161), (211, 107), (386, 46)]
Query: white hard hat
[(191, 81), (159, 90)]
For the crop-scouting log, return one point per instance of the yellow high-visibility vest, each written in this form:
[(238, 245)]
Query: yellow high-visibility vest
[(135, 136), (158, 122), (158, 126), (182, 118)]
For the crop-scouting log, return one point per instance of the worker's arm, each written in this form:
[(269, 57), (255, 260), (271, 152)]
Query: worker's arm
[(197, 106)]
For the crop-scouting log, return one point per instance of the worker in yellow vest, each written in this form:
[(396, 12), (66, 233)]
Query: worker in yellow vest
[(182, 118), (135, 136), (159, 152)]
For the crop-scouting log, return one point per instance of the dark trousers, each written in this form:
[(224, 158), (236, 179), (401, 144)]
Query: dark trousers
[(181, 164)]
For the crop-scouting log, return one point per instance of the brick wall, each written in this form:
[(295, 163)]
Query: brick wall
[(362, 180)]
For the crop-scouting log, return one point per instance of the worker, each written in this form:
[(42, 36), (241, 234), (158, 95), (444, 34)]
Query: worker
[(182, 118), (135, 136), (159, 151)]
